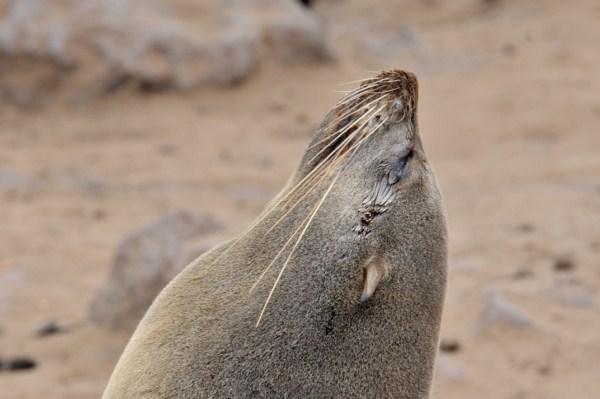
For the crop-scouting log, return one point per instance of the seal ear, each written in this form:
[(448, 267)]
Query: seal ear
[(375, 270)]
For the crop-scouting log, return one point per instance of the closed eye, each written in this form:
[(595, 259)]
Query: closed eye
[(400, 167)]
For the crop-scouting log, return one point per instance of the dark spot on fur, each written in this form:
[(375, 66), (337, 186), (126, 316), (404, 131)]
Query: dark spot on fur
[(367, 215), (329, 325), (366, 218)]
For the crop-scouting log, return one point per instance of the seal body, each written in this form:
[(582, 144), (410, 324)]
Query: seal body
[(335, 291)]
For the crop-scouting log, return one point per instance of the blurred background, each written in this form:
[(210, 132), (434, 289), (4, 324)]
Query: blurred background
[(135, 134)]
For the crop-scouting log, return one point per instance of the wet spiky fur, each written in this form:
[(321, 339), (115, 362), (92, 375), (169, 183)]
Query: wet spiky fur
[(277, 311)]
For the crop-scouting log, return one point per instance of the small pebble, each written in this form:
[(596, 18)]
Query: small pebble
[(525, 227), (447, 369), (499, 308), (545, 370), (18, 364), (49, 327), (167, 149), (509, 50), (521, 274), (450, 345), (564, 263), (99, 214)]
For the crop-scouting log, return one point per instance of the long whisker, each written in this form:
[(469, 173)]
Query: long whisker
[(273, 206), (345, 129), (326, 159), (307, 225), (365, 87), (321, 171), (354, 108), (363, 139), (297, 229), (351, 97), (351, 109), (363, 80), (369, 113), (306, 193), (276, 257), (324, 174), (355, 81), (335, 154), (367, 90), (274, 203), (314, 212)]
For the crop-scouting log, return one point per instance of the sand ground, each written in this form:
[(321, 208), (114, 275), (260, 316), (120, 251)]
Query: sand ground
[(510, 116)]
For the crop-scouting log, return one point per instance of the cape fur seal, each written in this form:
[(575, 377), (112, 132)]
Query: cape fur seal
[(335, 291)]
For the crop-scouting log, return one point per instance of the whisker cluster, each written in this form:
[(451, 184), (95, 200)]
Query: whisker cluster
[(355, 118)]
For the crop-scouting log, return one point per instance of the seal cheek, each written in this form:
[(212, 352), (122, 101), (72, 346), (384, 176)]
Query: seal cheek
[(375, 270)]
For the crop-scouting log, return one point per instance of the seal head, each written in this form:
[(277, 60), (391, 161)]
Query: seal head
[(336, 289)]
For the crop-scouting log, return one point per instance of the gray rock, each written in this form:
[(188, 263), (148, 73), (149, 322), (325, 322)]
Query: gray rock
[(145, 261), (154, 44), (296, 36), (11, 280), (389, 44), (448, 369), (579, 299), (49, 327), (14, 180), (499, 309), (572, 291)]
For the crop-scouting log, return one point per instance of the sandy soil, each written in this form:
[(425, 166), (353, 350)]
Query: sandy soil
[(509, 112)]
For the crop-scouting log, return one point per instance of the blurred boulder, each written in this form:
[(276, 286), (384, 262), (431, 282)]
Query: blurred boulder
[(12, 280), (387, 44), (49, 327), (447, 369), (145, 261), (572, 291), (103, 45), (295, 35), (498, 308)]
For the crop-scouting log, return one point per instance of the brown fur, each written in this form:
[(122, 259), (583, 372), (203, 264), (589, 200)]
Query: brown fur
[(200, 338)]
